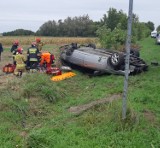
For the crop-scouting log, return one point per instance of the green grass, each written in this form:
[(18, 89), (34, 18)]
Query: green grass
[(37, 116)]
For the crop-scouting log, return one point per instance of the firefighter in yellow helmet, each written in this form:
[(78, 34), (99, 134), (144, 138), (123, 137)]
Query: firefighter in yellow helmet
[(20, 62)]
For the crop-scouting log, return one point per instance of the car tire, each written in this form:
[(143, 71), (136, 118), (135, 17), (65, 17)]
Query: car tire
[(116, 60)]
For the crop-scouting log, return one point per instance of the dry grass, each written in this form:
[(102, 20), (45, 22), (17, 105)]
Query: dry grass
[(27, 40)]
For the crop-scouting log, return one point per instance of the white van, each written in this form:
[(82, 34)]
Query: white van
[(154, 34)]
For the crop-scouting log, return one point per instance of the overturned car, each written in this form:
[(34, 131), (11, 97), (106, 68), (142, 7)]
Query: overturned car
[(101, 60)]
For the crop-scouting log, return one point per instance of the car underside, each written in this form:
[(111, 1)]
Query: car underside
[(101, 60)]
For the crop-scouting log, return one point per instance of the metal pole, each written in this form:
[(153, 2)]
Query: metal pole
[(128, 45)]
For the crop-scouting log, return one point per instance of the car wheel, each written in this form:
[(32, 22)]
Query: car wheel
[(116, 60)]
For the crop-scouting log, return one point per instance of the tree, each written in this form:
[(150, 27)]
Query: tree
[(48, 29), (19, 32), (112, 38), (158, 28), (72, 27), (150, 25), (60, 28), (113, 28), (114, 17)]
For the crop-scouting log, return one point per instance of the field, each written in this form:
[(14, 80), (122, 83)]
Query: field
[(34, 110), (47, 40)]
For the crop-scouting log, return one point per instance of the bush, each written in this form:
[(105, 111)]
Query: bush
[(111, 39)]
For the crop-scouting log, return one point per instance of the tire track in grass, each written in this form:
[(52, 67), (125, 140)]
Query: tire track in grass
[(77, 110)]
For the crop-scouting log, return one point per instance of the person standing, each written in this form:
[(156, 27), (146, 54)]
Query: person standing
[(32, 60), (14, 49), (39, 44), (1, 50)]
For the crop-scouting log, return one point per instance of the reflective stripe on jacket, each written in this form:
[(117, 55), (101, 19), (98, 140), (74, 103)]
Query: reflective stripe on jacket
[(32, 54)]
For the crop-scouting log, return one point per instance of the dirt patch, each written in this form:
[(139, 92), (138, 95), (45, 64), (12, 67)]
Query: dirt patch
[(81, 108), (5, 78), (23, 134), (149, 116)]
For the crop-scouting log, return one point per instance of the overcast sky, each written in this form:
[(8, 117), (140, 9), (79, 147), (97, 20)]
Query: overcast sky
[(31, 14)]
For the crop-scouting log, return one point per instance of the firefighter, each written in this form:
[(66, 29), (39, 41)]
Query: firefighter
[(32, 59), (14, 49), (46, 59), (20, 60), (39, 44)]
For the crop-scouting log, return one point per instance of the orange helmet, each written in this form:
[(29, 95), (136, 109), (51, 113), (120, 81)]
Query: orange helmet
[(19, 50), (16, 42), (33, 44), (38, 40)]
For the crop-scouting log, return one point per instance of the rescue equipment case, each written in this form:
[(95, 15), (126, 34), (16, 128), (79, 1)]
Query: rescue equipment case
[(9, 68)]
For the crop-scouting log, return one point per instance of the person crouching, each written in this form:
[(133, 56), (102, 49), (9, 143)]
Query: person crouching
[(20, 62), (46, 60)]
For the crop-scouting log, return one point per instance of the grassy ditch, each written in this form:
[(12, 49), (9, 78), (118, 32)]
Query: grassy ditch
[(34, 110)]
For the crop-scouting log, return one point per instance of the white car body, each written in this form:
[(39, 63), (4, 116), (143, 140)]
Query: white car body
[(102, 60), (154, 34)]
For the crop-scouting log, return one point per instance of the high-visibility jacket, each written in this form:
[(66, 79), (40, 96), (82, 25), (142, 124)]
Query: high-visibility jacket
[(20, 63), (45, 57), (32, 54)]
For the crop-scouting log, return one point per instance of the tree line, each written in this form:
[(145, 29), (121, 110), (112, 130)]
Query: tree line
[(81, 26), (113, 24), (19, 32)]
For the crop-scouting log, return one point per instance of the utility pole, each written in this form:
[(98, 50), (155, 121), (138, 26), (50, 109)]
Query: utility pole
[(128, 45)]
